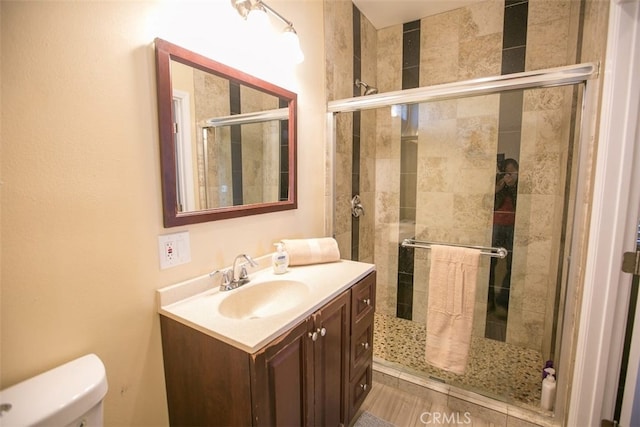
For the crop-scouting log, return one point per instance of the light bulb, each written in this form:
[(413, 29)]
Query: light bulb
[(258, 19), (291, 44)]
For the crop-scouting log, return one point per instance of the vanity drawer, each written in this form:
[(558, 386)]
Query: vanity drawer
[(359, 388), (363, 301), (361, 348)]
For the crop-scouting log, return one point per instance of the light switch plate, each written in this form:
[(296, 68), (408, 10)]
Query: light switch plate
[(174, 249)]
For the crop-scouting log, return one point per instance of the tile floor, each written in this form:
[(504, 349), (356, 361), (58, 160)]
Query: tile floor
[(406, 405)]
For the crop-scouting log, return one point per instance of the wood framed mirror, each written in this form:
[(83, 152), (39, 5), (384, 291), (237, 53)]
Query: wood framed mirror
[(227, 140)]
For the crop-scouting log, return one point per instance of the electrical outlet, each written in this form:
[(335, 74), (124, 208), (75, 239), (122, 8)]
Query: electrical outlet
[(174, 249)]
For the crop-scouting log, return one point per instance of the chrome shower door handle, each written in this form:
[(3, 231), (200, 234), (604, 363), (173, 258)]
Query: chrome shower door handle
[(357, 209)]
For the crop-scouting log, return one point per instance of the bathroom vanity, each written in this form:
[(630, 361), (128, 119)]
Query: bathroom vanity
[(293, 349)]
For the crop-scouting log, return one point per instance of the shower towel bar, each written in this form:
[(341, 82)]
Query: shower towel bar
[(484, 250)]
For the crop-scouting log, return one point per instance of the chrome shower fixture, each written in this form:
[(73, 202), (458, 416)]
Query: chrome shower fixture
[(368, 90)]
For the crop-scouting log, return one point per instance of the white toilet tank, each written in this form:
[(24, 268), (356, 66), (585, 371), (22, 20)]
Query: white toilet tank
[(69, 395)]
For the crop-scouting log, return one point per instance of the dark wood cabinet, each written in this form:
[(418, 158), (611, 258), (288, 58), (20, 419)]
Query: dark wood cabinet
[(317, 373), (300, 379)]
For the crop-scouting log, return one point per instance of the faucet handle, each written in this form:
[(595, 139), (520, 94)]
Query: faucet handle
[(225, 281), (243, 272), (243, 266), (243, 269), (250, 261)]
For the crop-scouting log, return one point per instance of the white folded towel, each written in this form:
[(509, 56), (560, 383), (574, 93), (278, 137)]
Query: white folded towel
[(452, 290), (312, 251)]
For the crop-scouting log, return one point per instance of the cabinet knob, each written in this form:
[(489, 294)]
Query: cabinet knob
[(313, 336), (367, 301), (365, 345), (363, 386), (322, 331)]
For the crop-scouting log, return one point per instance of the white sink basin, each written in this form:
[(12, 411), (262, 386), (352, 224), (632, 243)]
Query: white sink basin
[(263, 299)]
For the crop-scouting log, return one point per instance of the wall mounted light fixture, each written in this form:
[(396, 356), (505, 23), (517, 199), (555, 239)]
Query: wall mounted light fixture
[(255, 12)]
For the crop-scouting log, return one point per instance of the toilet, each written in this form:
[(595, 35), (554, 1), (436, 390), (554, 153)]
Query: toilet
[(69, 395)]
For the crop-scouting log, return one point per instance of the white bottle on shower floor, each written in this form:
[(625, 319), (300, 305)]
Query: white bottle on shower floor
[(548, 390)]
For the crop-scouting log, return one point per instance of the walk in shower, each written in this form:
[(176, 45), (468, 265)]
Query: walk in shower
[(432, 165)]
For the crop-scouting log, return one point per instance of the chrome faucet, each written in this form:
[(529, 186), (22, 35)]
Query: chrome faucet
[(229, 280)]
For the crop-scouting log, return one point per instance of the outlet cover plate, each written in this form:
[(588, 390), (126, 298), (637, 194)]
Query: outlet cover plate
[(174, 249)]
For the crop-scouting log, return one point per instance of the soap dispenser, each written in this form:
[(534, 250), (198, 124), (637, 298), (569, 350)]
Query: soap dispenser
[(280, 259), (548, 389)]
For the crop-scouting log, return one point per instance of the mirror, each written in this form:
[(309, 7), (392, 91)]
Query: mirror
[(227, 140)]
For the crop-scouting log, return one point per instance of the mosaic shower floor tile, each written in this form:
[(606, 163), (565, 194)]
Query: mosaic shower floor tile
[(495, 369)]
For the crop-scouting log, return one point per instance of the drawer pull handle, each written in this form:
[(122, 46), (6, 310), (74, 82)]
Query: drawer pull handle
[(322, 331), (313, 336), (363, 386), (367, 301), (365, 345)]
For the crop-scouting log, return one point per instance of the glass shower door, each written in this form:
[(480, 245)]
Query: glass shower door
[(490, 170)]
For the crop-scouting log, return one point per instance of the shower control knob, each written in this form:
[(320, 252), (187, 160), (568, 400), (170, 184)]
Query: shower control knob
[(357, 209)]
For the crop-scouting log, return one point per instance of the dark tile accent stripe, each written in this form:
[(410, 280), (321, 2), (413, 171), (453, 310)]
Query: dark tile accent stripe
[(283, 193), (355, 157), (357, 49), (515, 25), (355, 238), (509, 135), (408, 166), (411, 55), (408, 177), (236, 145), (404, 305), (514, 39), (513, 60)]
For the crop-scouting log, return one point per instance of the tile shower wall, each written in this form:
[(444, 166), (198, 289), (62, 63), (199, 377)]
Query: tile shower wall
[(544, 161), (388, 227), (340, 80), (368, 142), (351, 54), (408, 169), (457, 148), (457, 142)]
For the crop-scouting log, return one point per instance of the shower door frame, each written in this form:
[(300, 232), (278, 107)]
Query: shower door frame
[(586, 74)]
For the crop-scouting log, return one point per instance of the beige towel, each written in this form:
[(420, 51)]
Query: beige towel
[(312, 251), (452, 290)]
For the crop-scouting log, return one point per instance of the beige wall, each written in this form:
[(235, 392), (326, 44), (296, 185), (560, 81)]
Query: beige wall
[(81, 203)]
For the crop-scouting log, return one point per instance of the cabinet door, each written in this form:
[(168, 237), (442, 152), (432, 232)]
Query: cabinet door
[(282, 380), (206, 379), (331, 358)]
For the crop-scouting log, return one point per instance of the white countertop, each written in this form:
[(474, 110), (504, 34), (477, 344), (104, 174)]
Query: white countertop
[(195, 302)]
